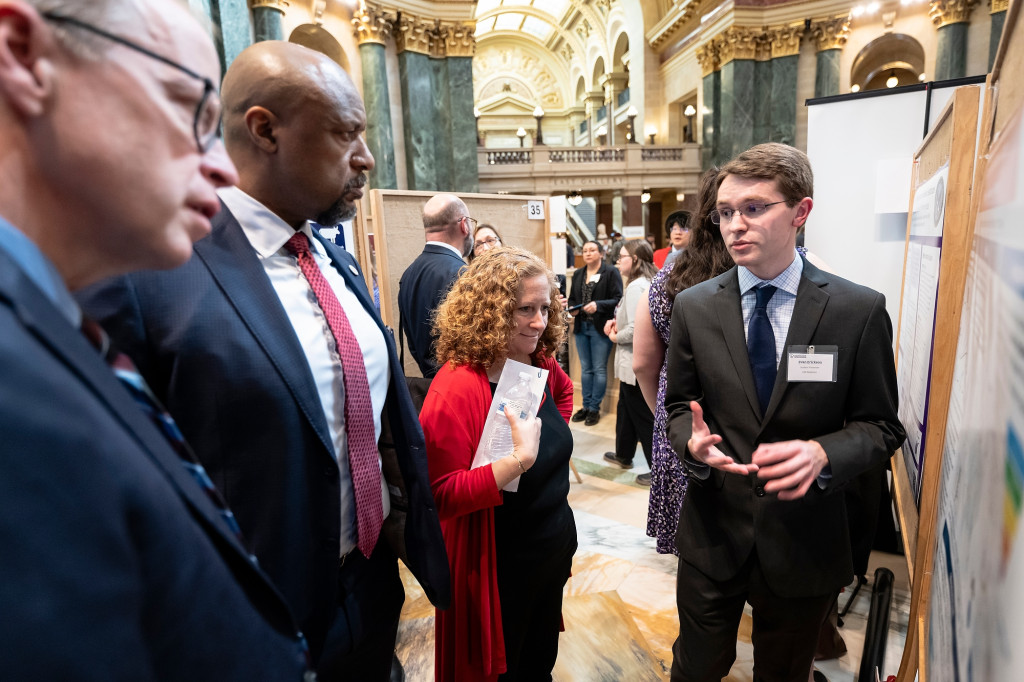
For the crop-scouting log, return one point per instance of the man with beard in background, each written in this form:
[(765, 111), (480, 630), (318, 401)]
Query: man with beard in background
[(267, 350)]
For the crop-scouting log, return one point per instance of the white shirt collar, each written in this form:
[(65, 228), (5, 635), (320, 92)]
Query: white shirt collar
[(447, 246), (264, 229), (788, 280)]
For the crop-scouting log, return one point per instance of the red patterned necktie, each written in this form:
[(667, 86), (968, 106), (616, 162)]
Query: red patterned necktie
[(361, 437)]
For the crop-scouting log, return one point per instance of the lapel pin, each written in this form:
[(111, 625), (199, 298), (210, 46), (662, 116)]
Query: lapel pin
[(353, 269)]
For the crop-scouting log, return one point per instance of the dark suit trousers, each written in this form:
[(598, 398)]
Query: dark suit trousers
[(634, 423), (361, 642), (785, 631)]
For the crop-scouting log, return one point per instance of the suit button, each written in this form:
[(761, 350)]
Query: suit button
[(759, 491)]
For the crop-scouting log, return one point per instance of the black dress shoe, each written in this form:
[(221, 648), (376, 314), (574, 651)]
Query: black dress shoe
[(610, 457), (592, 418), (819, 676), (581, 414)]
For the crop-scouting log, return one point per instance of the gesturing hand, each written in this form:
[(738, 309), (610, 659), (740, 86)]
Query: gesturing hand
[(590, 308), (790, 467), (525, 437), (702, 446)]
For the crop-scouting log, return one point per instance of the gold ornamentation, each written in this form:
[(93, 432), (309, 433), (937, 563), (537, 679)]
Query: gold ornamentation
[(999, 6), (707, 57), (279, 5), (831, 33), (786, 39), (737, 42), (372, 25), (458, 39), (946, 12), (415, 34)]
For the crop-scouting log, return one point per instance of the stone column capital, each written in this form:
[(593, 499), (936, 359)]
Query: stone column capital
[(831, 33), (415, 34), (999, 6), (738, 42), (946, 12), (372, 24), (613, 82), (707, 57), (785, 40), (280, 5), (457, 39)]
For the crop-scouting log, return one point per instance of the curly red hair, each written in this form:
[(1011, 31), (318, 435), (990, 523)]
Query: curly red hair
[(474, 322)]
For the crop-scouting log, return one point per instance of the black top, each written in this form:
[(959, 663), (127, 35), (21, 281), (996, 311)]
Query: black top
[(606, 293), (537, 517)]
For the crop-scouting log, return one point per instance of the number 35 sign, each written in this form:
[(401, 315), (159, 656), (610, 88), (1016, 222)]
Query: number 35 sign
[(535, 210)]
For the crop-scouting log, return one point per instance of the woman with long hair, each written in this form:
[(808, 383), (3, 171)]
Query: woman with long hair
[(509, 552), (634, 421), (485, 238), (705, 257), (594, 293)]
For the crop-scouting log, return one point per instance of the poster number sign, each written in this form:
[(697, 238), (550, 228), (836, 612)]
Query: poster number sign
[(535, 210)]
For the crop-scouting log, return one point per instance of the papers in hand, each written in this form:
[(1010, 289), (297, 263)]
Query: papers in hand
[(521, 388)]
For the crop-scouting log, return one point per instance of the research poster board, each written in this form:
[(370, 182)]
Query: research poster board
[(975, 620), (395, 236), (917, 317)]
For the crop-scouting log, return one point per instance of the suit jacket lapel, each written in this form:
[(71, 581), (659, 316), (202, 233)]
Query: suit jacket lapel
[(730, 315), (238, 272), (42, 319), (811, 299)]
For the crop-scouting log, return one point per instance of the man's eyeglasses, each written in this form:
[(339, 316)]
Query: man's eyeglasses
[(486, 241), (751, 209), (473, 222), (206, 122)]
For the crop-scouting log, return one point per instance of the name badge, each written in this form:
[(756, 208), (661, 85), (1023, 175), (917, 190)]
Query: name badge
[(812, 363)]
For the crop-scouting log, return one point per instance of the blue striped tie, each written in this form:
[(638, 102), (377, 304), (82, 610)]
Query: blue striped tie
[(761, 346)]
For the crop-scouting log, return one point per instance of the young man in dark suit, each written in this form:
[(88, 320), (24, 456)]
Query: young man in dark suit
[(425, 283), (268, 350), (781, 389), (115, 562)]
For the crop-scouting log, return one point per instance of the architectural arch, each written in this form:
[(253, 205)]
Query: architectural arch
[(891, 54), (320, 39)]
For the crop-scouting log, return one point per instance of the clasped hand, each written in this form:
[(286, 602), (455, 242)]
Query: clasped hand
[(789, 467)]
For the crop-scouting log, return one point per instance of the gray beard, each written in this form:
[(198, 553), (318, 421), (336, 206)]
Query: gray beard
[(467, 246)]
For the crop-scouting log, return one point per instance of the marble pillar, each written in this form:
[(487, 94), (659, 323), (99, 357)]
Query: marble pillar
[(737, 105), (267, 23), (951, 54), (826, 78), (460, 84), (712, 84), (995, 33), (415, 79), (379, 134), (234, 28), (762, 101), (442, 124), (784, 102)]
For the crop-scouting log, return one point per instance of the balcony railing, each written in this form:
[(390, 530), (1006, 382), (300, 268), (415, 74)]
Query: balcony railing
[(509, 156), (661, 154), (622, 98), (602, 113), (586, 155)]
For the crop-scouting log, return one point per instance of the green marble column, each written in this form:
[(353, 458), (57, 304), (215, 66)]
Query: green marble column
[(267, 24), (232, 26), (712, 84), (442, 127), (379, 135), (460, 87), (951, 54), (762, 101), (415, 74), (784, 99), (826, 79), (995, 33), (737, 105)]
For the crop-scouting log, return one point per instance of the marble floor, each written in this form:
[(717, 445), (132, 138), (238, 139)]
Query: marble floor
[(619, 605)]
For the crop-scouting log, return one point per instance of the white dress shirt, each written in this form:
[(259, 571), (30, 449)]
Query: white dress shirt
[(268, 234)]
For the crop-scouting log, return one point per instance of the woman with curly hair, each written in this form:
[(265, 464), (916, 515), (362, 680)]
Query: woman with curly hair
[(510, 553)]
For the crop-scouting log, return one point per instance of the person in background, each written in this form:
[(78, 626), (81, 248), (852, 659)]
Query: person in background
[(510, 552), (611, 252), (634, 421), (485, 239), (677, 229), (705, 258), (449, 239), (118, 559), (594, 293)]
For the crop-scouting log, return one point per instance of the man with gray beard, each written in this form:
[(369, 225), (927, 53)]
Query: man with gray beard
[(267, 350)]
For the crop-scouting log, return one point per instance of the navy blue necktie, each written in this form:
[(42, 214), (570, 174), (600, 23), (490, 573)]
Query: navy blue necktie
[(761, 346)]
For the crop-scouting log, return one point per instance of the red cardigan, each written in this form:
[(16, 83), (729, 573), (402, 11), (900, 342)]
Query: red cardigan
[(469, 644)]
